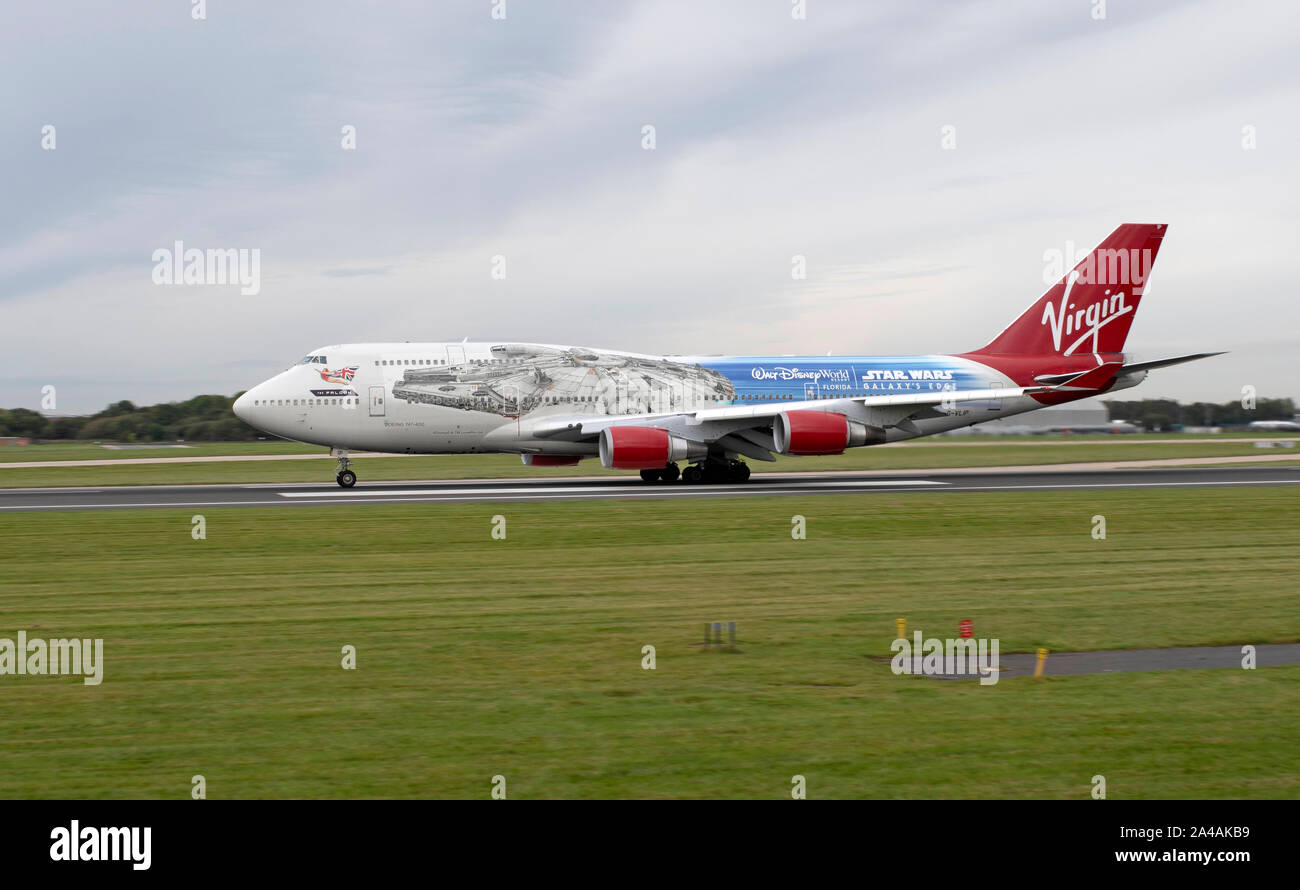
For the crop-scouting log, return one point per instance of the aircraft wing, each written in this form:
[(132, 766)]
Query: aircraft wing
[(744, 426), (906, 400)]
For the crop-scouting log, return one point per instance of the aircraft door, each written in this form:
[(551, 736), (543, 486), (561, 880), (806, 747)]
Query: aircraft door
[(994, 404), (621, 403), (455, 356), (810, 390), (510, 400), (376, 401)]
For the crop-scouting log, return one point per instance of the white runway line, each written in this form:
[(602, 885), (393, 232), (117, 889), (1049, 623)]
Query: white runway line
[(586, 489), (874, 482), (408, 496)]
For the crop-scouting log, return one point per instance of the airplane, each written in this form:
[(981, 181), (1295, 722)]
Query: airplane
[(558, 405), (1277, 425)]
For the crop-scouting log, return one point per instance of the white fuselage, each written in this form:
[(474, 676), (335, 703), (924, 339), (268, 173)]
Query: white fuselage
[(458, 398)]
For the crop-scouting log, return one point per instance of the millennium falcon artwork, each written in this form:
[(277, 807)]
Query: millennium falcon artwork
[(520, 380)]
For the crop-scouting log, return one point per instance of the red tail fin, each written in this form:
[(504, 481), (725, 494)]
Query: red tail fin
[(1091, 308)]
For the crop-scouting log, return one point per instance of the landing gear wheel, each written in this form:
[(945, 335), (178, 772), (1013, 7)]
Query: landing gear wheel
[(650, 475), (693, 475), (670, 473), (739, 471), (345, 478)]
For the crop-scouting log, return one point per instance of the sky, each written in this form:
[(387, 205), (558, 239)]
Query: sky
[(925, 159)]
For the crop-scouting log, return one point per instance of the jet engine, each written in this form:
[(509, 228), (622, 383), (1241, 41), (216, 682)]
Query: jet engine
[(821, 432), (645, 448)]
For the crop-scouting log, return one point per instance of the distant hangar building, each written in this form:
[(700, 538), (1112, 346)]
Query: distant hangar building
[(1085, 415)]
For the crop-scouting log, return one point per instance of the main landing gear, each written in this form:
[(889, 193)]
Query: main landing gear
[(709, 471), (670, 473), (345, 478)]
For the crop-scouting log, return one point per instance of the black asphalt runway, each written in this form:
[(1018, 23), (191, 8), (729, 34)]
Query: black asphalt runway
[(1126, 661), (507, 490)]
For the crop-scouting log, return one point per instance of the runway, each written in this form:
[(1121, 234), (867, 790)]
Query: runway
[(1127, 661), (1279, 441), (589, 489)]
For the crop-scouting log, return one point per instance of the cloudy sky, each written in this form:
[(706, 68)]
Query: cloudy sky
[(522, 137)]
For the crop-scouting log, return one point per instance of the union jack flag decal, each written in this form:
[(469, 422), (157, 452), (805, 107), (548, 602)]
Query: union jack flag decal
[(342, 375)]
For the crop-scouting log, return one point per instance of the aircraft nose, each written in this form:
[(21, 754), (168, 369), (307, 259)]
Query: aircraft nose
[(242, 405)]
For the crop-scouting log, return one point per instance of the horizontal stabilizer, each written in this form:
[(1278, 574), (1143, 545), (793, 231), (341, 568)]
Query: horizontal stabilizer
[(1091, 379), (1166, 362)]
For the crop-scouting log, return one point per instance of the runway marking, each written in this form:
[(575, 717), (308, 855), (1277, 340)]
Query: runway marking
[(587, 489), (633, 492), (49, 490), (1127, 485), (876, 482)]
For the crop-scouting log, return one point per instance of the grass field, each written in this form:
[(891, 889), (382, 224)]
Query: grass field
[(911, 456), (91, 451), (522, 658)]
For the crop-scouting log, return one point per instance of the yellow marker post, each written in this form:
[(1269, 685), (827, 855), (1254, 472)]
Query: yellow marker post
[(902, 628), (1042, 659)]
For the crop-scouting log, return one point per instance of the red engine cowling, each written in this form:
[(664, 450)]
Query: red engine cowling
[(820, 432), (550, 460), (645, 448)]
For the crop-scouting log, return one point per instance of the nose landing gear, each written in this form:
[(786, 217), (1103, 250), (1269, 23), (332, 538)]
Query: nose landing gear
[(345, 478)]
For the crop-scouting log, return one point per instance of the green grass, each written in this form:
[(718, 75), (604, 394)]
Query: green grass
[(521, 657), (913, 456), (90, 451)]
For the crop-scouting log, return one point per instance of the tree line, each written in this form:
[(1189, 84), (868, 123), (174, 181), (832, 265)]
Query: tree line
[(200, 419), (210, 419), (1165, 414)]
